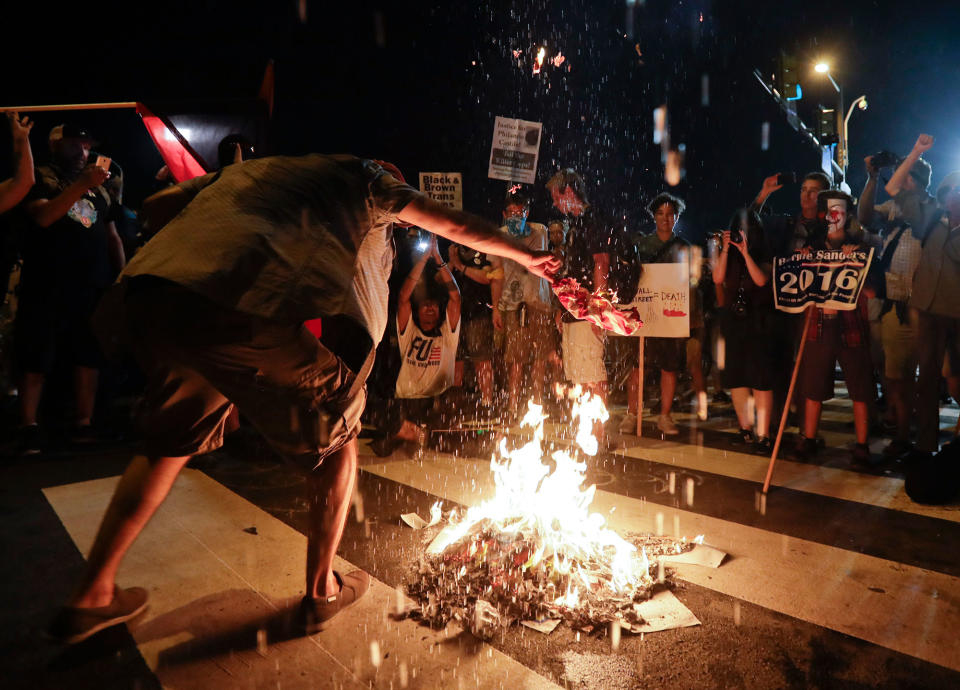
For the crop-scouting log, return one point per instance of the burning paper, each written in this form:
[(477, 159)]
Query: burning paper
[(539, 63), (535, 551), (416, 522), (596, 307)]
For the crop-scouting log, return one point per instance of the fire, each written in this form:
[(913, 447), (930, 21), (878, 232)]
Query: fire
[(549, 507), (539, 63)]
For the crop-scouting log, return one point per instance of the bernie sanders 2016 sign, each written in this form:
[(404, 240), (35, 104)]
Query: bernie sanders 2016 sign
[(825, 277)]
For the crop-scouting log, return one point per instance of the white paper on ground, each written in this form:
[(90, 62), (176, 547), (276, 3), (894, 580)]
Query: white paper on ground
[(701, 554), (663, 612), (546, 626), (414, 520)]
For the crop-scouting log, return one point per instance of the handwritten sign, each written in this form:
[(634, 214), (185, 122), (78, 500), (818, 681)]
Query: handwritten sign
[(663, 300), (444, 188), (826, 277), (515, 148)]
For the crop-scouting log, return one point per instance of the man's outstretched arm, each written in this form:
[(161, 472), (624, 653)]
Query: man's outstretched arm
[(474, 231)]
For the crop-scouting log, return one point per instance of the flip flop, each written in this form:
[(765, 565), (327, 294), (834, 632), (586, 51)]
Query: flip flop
[(72, 625), (318, 612)]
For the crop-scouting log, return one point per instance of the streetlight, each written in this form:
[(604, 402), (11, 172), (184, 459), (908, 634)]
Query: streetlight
[(842, 149)]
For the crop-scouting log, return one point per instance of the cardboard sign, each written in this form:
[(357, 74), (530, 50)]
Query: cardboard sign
[(663, 300), (825, 277), (515, 148), (444, 188)]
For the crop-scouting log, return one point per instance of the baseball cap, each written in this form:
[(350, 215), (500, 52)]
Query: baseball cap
[(949, 182), (70, 131)]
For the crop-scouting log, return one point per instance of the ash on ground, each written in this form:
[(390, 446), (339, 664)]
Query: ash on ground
[(491, 578)]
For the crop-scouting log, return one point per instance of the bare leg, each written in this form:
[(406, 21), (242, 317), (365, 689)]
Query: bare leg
[(861, 420), (668, 387), (330, 487), (85, 390), (741, 404), (763, 404), (811, 417), (513, 386), (31, 388), (140, 492), (484, 368)]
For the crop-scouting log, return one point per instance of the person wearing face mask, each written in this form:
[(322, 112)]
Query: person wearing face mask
[(70, 256), (834, 335), (525, 306)]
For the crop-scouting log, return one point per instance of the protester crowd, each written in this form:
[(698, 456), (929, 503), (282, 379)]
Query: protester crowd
[(472, 336)]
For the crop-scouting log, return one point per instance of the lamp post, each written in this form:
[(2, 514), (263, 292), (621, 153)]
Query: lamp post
[(843, 147)]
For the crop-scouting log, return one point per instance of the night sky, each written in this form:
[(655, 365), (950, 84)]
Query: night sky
[(420, 84)]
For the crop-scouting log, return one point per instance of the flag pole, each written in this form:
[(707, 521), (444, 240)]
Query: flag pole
[(786, 405), (116, 105)]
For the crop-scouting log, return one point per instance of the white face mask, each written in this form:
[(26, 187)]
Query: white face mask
[(837, 214)]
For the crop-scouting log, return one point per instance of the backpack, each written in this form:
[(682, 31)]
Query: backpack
[(935, 481)]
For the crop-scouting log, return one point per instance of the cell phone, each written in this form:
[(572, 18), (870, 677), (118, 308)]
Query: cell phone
[(103, 162), (786, 178)]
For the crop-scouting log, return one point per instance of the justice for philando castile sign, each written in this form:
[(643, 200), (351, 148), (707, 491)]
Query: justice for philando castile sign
[(825, 277), (514, 151)]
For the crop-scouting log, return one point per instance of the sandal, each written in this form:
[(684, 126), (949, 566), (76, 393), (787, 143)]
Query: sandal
[(317, 612)]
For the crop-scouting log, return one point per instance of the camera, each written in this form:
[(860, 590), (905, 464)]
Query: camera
[(884, 159)]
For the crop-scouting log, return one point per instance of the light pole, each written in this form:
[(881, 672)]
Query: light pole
[(842, 147)]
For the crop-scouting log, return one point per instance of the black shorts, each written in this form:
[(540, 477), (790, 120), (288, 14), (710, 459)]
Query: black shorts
[(667, 354), (477, 341), (47, 329)]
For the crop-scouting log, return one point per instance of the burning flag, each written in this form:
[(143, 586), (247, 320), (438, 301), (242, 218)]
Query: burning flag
[(596, 307)]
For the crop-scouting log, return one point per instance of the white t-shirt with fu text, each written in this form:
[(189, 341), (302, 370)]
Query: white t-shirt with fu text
[(427, 361)]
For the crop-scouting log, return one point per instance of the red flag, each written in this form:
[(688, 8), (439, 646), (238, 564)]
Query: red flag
[(174, 149)]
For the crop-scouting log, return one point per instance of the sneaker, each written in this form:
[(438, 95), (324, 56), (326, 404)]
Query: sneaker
[(316, 613), (744, 437), (763, 446), (29, 441), (666, 424), (897, 449), (628, 425), (860, 454), (806, 448), (72, 625)]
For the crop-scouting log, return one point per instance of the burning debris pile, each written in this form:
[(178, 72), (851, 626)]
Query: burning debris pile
[(534, 552)]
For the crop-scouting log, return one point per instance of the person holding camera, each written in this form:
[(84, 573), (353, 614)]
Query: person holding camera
[(71, 254), (892, 281), (747, 325), (834, 335)]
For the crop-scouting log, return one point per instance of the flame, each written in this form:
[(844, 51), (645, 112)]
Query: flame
[(436, 514), (539, 63), (553, 509)]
